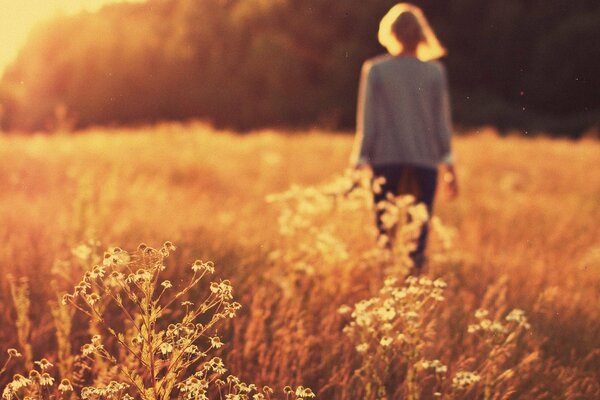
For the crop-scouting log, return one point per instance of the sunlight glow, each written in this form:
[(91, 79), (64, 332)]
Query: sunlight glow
[(18, 17)]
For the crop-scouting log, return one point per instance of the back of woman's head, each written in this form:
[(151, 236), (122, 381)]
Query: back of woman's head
[(405, 28), (408, 31)]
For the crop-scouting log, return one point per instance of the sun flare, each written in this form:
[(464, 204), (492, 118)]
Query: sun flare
[(19, 17)]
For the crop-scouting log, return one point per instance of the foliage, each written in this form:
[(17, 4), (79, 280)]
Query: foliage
[(252, 63)]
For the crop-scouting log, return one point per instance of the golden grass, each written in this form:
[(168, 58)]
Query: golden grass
[(527, 229)]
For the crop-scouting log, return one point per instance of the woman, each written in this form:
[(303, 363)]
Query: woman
[(403, 117)]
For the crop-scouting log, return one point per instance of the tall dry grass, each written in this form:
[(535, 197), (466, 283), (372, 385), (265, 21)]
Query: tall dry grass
[(524, 230)]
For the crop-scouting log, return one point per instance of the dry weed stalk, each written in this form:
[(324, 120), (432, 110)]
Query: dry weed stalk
[(19, 290), (162, 353), (152, 359)]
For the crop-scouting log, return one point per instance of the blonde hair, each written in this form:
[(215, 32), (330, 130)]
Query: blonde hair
[(405, 27)]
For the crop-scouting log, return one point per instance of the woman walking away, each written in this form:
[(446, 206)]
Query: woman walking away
[(403, 116)]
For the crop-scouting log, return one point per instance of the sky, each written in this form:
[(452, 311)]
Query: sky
[(18, 17)]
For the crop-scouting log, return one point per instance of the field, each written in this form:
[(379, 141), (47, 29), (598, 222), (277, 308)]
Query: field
[(523, 234)]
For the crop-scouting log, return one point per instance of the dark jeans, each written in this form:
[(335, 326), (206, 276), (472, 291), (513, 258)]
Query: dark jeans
[(403, 179)]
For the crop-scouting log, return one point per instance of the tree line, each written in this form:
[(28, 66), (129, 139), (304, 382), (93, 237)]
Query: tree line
[(244, 64)]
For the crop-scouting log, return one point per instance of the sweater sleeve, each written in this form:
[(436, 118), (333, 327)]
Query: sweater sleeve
[(443, 118), (366, 127)]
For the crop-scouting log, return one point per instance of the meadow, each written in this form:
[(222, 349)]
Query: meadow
[(512, 296)]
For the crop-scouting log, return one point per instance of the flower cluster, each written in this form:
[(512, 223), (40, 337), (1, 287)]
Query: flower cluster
[(38, 380), (393, 310), (498, 330), (110, 391), (154, 356), (434, 365), (463, 380), (312, 235), (392, 325)]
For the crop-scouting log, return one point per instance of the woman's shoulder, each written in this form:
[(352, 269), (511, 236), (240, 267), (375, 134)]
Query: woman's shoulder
[(437, 66), (377, 60)]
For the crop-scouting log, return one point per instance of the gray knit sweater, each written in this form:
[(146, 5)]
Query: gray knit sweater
[(403, 113)]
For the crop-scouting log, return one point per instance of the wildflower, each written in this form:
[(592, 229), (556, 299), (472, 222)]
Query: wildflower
[(115, 387), (518, 316), (202, 266), (192, 350), (231, 308), (93, 298), (344, 309), (65, 386), (480, 313), (187, 303), (497, 327), (215, 342), (386, 314), (66, 299), (377, 184), (115, 257), (390, 281), (302, 392), (88, 349), (19, 381), (44, 364), (413, 290), (244, 388), (14, 353), (142, 275), (362, 348), (222, 289), (267, 390), (97, 272), (193, 385), (463, 379), (46, 379), (166, 284), (81, 288), (399, 294), (9, 392), (169, 246), (97, 340), (435, 365), (34, 375), (165, 348), (424, 281), (220, 382), (439, 283), (87, 392), (386, 341), (436, 294), (411, 280)]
